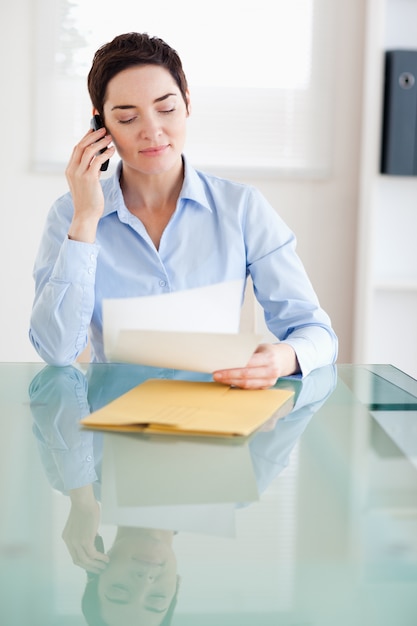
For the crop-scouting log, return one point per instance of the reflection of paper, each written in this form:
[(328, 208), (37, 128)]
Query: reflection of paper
[(183, 485), (153, 472), (212, 519), (194, 329)]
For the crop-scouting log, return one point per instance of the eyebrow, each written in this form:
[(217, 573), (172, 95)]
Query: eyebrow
[(132, 106)]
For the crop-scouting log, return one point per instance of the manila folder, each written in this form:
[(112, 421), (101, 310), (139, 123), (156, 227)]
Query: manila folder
[(191, 408)]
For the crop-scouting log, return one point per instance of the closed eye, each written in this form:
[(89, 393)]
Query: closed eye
[(118, 594), (156, 603), (132, 119), (116, 600), (129, 121)]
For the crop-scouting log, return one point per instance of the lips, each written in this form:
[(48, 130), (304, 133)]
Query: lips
[(154, 151)]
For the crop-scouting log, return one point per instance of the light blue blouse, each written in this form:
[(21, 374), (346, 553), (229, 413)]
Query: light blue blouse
[(220, 231)]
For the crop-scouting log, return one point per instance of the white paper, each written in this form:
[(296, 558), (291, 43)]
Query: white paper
[(199, 352), (194, 329)]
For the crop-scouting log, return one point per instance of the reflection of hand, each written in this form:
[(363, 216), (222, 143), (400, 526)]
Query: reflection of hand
[(81, 529), (268, 363)]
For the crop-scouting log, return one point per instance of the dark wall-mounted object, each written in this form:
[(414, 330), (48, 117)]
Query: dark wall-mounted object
[(399, 132)]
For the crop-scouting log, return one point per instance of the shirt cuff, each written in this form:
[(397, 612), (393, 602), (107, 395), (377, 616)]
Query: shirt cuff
[(76, 262), (314, 347)]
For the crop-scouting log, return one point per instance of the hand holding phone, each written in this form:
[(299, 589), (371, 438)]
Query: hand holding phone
[(96, 123)]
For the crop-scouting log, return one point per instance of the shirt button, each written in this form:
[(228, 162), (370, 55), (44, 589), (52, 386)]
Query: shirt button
[(162, 283), (89, 458), (91, 270), (92, 257)]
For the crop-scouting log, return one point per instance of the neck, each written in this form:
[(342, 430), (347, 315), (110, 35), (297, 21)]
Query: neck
[(151, 192)]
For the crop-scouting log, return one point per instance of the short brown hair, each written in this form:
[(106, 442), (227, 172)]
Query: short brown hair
[(128, 50)]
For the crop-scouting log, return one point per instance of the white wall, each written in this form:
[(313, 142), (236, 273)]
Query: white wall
[(24, 196), (386, 329), (322, 213)]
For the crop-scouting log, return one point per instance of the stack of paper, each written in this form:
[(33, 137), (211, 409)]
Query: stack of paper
[(195, 329)]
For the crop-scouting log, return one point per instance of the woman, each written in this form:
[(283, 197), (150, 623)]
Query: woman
[(158, 225)]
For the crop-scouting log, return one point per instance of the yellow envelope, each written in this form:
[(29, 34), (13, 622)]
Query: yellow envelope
[(180, 407)]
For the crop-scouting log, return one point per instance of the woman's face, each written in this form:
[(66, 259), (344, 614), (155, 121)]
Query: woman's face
[(139, 582), (146, 115)]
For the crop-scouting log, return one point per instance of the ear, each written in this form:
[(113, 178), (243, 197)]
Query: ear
[(96, 112), (188, 102)]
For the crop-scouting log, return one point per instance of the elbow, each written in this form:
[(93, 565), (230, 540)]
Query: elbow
[(52, 353)]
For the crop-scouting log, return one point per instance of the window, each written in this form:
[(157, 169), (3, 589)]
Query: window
[(260, 77)]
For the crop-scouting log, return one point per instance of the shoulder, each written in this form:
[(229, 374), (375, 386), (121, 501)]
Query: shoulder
[(248, 201), (225, 185), (236, 200), (221, 192)]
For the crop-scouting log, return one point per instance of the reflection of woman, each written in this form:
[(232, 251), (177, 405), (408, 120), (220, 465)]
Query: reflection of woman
[(158, 225), (136, 580), (140, 583), (71, 456)]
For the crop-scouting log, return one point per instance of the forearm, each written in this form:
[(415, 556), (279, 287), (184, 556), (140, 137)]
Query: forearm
[(64, 304), (83, 497), (83, 230)]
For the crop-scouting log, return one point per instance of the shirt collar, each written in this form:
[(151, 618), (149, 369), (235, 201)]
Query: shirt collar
[(193, 189)]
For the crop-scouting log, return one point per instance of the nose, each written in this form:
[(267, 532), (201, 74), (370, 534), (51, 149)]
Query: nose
[(150, 127), (147, 571)]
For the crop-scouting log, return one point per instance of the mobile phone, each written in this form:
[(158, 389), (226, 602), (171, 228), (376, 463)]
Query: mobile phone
[(96, 123)]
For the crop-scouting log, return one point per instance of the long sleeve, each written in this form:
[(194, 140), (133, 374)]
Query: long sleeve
[(291, 307), (70, 455), (64, 276)]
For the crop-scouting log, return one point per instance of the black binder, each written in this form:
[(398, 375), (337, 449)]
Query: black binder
[(399, 132)]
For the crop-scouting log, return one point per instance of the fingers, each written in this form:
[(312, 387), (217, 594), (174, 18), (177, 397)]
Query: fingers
[(94, 566), (261, 372), (266, 365), (247, 378), (86, 154), (86, 556), (83, 176)]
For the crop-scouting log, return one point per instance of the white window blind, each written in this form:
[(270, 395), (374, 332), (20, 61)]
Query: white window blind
[(260, 77)]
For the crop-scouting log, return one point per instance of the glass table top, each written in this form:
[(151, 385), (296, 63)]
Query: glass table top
[(311, 521)]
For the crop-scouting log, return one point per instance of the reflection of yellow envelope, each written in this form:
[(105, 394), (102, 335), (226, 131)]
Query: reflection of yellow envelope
[(181, 407)]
